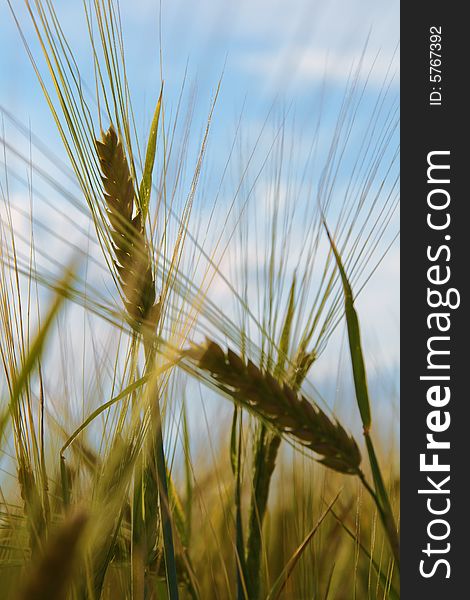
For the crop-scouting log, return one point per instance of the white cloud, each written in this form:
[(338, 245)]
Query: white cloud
[(306, 65)]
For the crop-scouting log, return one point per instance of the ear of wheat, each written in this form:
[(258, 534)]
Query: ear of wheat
[(50, 575), (127, 231), (280, 405)]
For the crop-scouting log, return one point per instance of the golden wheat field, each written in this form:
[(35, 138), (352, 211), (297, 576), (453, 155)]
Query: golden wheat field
[(189, 404)]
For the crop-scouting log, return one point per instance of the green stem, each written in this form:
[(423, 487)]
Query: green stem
[(160, 463), (241, 566), (170, 562), (386, 512), (265, 461), (387, 519)]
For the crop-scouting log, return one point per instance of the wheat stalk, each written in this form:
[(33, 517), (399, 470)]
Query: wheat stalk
[(132, 262), (127, 231), (280, 405)]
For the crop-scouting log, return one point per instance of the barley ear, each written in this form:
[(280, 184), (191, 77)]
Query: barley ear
[(131, 255), (280, 405), (51, 573)]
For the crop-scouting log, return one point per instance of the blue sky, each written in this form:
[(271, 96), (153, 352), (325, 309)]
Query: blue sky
[(286, 53), (270, 47)]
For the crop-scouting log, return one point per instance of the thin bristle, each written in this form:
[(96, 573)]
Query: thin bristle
[(280, 405), (127, 232)]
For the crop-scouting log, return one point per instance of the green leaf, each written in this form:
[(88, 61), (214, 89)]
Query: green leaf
[(354, 335), (146, 183), (362, 396), (128, 390), (36, 348), (286, 330)]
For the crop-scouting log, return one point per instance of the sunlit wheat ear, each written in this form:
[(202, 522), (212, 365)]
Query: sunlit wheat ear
[(127, 231), (51, 573), (280, 405)]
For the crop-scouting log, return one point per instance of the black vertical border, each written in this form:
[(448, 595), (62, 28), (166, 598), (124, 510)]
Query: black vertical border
[(426, 128)]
